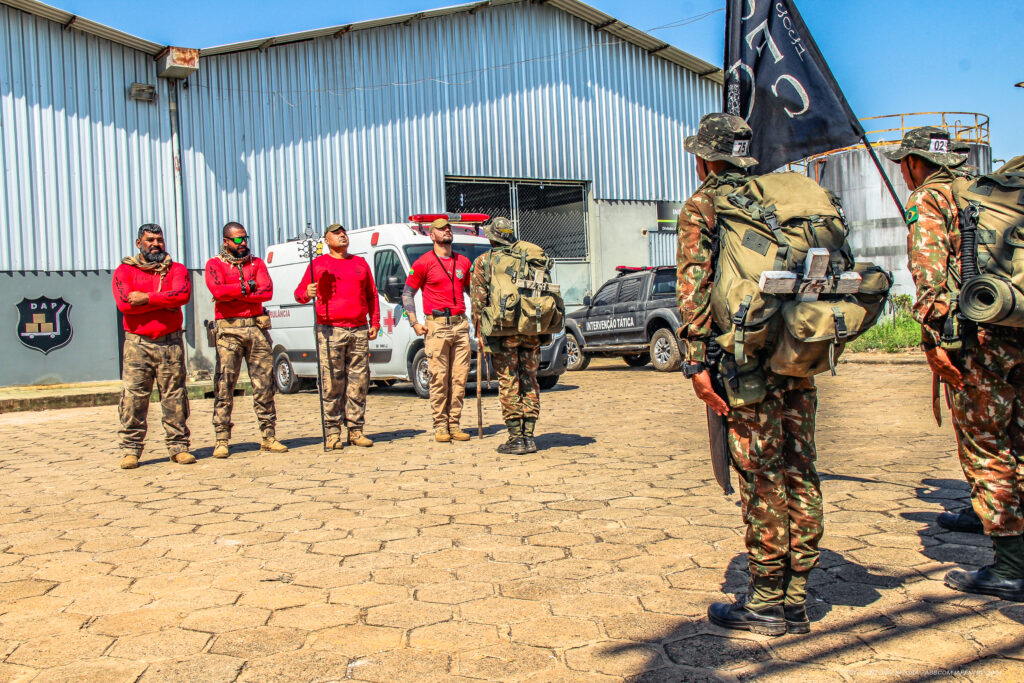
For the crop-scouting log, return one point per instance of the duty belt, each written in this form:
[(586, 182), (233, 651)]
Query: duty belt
[(172, 338), (448, 319), (236, 322)]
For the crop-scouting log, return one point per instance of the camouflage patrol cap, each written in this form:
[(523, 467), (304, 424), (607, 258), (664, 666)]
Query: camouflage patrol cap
[(499, 230), (931, 143), (722, 137)]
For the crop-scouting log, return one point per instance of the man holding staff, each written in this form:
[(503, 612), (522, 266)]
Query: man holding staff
[(346, 297)]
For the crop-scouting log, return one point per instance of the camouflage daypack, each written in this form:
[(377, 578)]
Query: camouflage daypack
[(522, 299), (991, 212), (769, 308)]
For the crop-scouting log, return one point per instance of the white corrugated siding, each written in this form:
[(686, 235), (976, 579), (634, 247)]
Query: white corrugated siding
[(83, 165), (364, 128), (662, 245)]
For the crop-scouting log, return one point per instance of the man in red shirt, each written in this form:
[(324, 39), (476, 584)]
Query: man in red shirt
[(240, 284), (149, 290), (444, 278), (345, 297)]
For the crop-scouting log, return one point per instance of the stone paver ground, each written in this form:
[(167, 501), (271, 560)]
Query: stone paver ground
[(592, 560)]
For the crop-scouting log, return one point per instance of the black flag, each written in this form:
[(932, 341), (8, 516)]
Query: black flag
[(777, 80)]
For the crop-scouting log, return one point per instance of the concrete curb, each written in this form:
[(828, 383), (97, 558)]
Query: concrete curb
[(895, 359), (56, 401)]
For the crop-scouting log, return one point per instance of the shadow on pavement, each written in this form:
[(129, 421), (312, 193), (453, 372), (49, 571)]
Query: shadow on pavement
[(559, 439), (970, 551), (885, 638)]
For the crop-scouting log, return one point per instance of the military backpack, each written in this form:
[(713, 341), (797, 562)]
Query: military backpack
[(787, 293), (991, 217), (521, 297)]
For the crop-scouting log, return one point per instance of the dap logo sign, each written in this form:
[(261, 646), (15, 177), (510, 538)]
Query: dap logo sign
[(44, 323)]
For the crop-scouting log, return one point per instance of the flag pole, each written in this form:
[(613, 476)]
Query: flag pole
[(885, 178)]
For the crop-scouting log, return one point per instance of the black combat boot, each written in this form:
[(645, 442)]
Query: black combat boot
[(795, 604), (1003, 579), (529, 423), (762, 611), (965, 520), (515, 444)]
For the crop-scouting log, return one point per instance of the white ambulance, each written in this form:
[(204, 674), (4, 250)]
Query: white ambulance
[(397, 353)]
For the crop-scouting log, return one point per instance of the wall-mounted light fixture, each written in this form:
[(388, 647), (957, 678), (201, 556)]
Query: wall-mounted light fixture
[(142, 92)]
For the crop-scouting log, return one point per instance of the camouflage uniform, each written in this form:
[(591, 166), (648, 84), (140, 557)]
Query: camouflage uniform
[(771, 443), (988, 413), (238, 339), (147, 361), (345, 362), (515, 358)]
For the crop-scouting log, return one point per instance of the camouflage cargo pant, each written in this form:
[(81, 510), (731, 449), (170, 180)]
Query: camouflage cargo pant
[(147, 361), (345, 368), (448, 351), (772, 442), (988, 418), (516, 360), (238, 339)]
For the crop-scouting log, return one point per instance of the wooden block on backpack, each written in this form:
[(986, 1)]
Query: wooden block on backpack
[(777, 282)]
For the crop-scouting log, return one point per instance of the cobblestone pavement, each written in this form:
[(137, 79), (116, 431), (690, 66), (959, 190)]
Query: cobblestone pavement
[(592, 560)]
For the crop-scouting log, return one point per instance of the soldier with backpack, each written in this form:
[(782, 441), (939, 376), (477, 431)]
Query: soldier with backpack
[(515, 309), (769, 295), (963, 233)]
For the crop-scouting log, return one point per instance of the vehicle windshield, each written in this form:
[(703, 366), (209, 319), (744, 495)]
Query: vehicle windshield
[(470, 251)]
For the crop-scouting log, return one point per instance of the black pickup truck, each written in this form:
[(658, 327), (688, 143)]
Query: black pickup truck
[(633, 315)]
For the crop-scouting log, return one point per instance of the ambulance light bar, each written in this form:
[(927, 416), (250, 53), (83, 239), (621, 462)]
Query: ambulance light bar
[(452, 217)]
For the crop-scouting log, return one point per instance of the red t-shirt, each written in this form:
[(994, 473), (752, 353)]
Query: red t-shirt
[(231, 301), (345, 293), (162, 315), (444, 281)]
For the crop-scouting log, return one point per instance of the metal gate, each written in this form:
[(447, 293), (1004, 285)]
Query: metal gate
[(552, 215), (661, 247)]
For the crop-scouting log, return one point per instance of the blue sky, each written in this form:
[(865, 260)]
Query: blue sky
[(889, 56)]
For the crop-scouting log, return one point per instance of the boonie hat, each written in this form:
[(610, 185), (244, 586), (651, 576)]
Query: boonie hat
[(931, 143), (722, 137), (500, 230), (335, 227)]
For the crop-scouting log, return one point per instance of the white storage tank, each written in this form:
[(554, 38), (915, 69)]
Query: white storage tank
[(877, 231)]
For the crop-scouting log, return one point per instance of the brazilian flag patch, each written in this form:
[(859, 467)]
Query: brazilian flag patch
[(911, 215)]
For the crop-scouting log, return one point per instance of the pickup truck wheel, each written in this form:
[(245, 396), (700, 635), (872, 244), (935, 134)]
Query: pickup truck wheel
[(665, 351), (574, 354), (419, 374), (547, 382), (637, 360), (284, 375)]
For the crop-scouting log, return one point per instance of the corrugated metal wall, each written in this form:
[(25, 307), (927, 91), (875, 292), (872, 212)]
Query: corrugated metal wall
[(364, 128), (662, 245), (83, 165)]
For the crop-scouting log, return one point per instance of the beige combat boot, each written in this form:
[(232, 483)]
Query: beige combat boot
[(334, 442), (441, 435), (272, 445), (457, 434), (221, 450), (183, 458), (357, 438), (130, 460)]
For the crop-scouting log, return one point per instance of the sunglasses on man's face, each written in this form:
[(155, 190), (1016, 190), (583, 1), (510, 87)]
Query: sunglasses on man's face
[(239, 240)]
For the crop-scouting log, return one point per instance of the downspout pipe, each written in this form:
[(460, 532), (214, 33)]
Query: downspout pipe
[(179, 202)]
